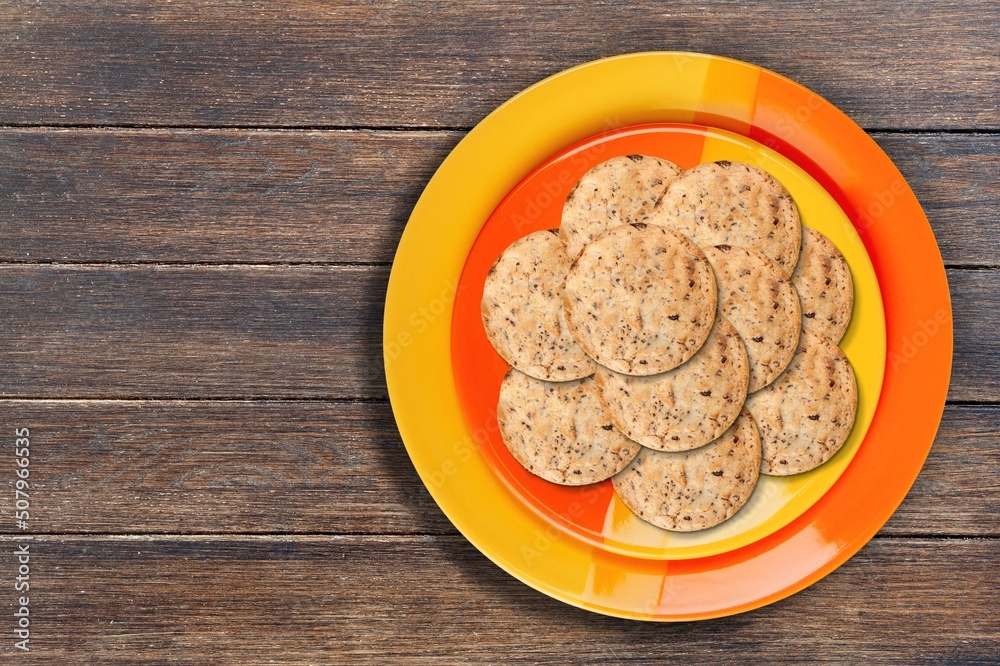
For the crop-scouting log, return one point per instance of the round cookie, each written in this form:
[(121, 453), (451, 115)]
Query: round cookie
[(731, 203), (622, 190), (558, 431), (806, 416), (761, 305), (693, 490), (825, 287), (523, 314), (686, 407), (640, 299)]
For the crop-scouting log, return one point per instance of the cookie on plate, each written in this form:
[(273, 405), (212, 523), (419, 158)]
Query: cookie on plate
[(762, 306), (522, 310), (807, 414), (686, 407), (825, 287), (619, 191), (640, 299), (693, 490), (558, 430), (731, 203)]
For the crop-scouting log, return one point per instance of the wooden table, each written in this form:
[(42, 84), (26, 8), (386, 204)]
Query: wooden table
[(200, 205)]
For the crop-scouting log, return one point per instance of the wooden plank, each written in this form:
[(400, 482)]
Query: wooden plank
[(191, 331), (958, 490), (893, 64), (267, 331), (975, 373), (431, 600), (211, 196), (200, 467), (950, 176), (344, 196), (309, 467)]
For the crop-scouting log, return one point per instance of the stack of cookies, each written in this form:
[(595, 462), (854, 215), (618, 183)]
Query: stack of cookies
[(677, 334)]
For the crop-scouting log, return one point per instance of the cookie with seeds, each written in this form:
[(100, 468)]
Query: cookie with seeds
[(522, 310), (762, 306), (693, 490), (640, 299), (619, 191), (731, 203), (807, 414), (686, 407), (558, 430), (825, 287)]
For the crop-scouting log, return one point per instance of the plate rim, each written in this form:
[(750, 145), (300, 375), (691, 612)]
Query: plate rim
[(847, 548), (869, 363)]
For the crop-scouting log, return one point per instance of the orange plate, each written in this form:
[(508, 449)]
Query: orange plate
[(671, 88), (594, 513)]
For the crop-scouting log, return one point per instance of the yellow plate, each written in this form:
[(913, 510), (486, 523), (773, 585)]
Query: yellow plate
[(581, 102), (594, 513)]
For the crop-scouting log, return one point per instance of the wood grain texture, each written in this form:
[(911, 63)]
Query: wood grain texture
[(216, 467), (335, 196), (958, 490), (267, 331), (951, 176), (191, 331), (433, 600), (338, 468), (191, 289), (975, 371), (211, 196), (887, 64)]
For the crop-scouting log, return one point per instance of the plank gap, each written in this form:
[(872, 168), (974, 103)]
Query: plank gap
[(307, 536), (374, 400), (214, 264), (263, 128), (307, 264), (987, 131), (336, 400)]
